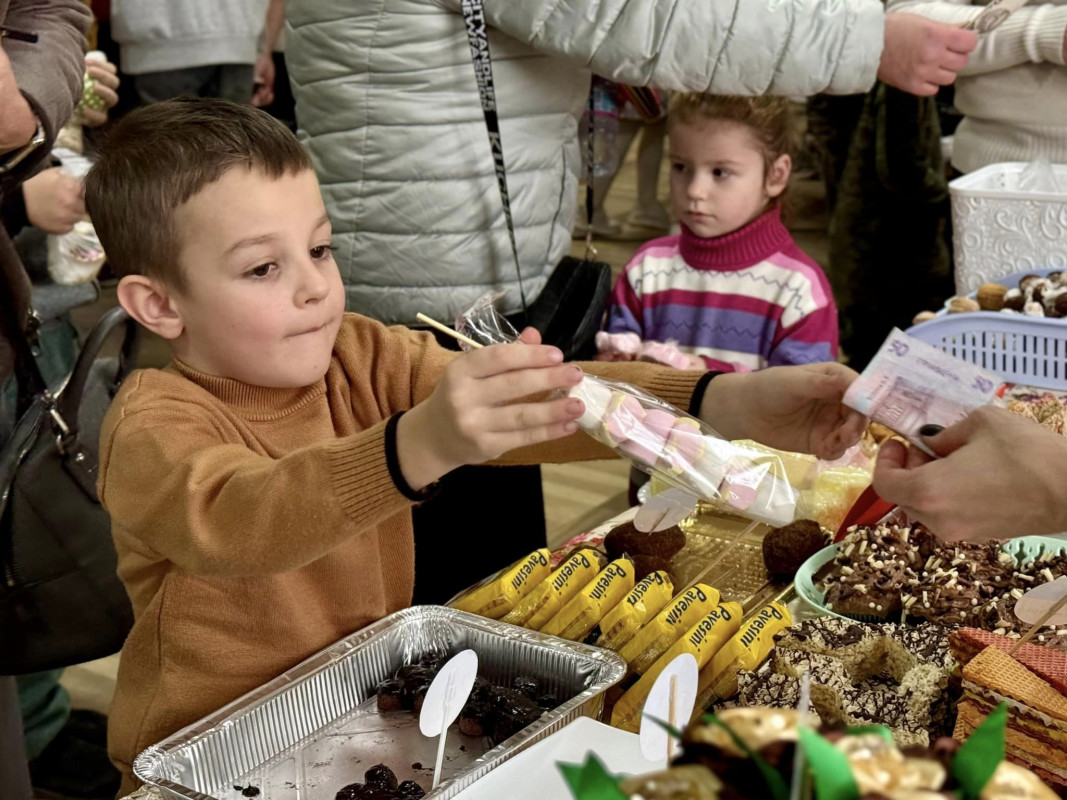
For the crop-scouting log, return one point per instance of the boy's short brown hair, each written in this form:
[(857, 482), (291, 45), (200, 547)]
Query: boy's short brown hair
[(161, 155), (769, 118)]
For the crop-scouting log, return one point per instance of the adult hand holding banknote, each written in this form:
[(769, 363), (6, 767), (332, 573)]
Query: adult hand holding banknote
[(998, 475), (974, 472)]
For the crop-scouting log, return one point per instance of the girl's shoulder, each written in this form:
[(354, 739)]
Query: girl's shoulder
[(665, 247)]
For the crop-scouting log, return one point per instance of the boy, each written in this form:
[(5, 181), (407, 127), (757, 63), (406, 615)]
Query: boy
[(260, 487)]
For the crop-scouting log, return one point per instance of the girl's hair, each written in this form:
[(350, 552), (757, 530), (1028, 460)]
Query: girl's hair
[(769, 118)]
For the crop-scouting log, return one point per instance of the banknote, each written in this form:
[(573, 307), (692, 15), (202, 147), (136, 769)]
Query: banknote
[(993, 15), (910, 383)]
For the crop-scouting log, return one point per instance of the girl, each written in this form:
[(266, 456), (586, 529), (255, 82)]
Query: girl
[(732, 290)]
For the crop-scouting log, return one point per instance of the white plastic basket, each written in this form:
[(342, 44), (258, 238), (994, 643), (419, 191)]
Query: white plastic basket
[(1020, 349), (999, 230)]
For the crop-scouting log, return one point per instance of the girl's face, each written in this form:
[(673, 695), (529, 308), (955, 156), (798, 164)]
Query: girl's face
[(719, 182)]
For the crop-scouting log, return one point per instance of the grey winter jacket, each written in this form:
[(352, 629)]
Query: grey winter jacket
[(388, 105)]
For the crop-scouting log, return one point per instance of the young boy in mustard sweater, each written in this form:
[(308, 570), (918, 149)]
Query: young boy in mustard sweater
[(260, 487)]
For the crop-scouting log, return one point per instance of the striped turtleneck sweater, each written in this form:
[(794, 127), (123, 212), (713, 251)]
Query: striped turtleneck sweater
[(744, 301)]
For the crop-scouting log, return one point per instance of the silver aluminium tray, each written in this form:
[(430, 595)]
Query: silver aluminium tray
[(316, 728)]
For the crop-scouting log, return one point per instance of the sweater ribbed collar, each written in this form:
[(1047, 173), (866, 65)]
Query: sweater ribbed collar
[(257, 402), (760, 239)]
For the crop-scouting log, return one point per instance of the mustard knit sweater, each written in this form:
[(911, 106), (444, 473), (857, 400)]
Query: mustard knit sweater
[(255, 526)]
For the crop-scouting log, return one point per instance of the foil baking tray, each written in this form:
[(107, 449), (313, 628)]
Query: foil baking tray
[(316, 728)]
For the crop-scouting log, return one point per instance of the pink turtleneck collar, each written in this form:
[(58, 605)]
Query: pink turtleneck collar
[(746, 246)]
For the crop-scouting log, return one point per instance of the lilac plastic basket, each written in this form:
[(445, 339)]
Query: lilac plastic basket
[(1021, 349)]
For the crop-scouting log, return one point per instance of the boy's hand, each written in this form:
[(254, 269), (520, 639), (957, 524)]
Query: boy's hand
[(485, 406), (797, 409)]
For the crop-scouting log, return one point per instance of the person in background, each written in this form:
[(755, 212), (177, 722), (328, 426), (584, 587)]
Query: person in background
[(66, 748), (1009, 92), (40, 83), (272, 91), (733, 290), (202, 48), (998, 475)]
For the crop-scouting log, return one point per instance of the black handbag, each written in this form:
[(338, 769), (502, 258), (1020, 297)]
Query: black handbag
[(61, 601), (570, 309)]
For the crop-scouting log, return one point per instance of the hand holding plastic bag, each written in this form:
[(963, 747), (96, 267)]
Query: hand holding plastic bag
[(662, 440)]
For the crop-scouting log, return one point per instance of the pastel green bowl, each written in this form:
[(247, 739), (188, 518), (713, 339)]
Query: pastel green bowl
[(1023, 549)]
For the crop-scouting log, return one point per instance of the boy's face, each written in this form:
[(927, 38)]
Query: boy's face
[(263, 298), (719, 182)]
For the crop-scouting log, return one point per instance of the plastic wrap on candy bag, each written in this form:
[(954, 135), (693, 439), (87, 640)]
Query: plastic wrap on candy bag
[(664, 441)]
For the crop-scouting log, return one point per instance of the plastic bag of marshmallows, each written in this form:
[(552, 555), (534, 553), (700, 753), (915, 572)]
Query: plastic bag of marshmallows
[(662, 440)]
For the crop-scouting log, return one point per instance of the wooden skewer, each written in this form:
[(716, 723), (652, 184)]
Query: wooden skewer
[(672, 715), (1039, 624), (447, 330)]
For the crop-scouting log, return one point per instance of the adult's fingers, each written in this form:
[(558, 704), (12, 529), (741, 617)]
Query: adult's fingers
[(954, 61), (108, 95), (848, 431), (959, 40), (104, 76), (893, 481), (953, 438), (943, 77), (524, 383), (93, 118)]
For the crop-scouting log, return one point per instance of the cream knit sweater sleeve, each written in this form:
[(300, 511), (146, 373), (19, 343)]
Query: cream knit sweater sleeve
[(1032, 35)]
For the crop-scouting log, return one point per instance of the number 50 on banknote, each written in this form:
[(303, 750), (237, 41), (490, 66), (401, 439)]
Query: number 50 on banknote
[(910, 384)]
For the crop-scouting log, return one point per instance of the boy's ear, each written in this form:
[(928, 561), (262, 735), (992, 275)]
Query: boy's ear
[(778, 176), (150, 303)]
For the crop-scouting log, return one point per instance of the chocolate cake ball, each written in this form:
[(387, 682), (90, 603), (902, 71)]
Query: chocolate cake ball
[(785, 549), (627, 540), (381, 776), (391, 695)]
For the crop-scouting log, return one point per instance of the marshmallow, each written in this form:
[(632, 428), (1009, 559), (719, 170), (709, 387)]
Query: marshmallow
[(709, 468), (685, 444), (740, 486), (596, 397), (647, 439), (623, 416)]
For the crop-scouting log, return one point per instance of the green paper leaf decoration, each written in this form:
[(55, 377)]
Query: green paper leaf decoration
[(671, 730), (980, 755), (830, 768), (591, 780), (881, 730), (773, 779)]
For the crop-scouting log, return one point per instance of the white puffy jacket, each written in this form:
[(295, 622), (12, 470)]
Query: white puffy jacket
[(388, 105)]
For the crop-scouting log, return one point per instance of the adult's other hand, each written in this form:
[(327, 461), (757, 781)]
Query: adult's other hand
[(921, 55), (998, 476)]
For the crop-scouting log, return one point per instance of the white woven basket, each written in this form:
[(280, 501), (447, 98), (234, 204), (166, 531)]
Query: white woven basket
[(999, 230)]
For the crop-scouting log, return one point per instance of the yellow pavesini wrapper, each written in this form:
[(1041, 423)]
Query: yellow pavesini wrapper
[(600, 595), (668, 626), (549, 596), (703, 641), (504, 592), (748, 648), (648, 597)]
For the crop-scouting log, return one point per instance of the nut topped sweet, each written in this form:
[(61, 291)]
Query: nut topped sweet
[(892, 571)]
